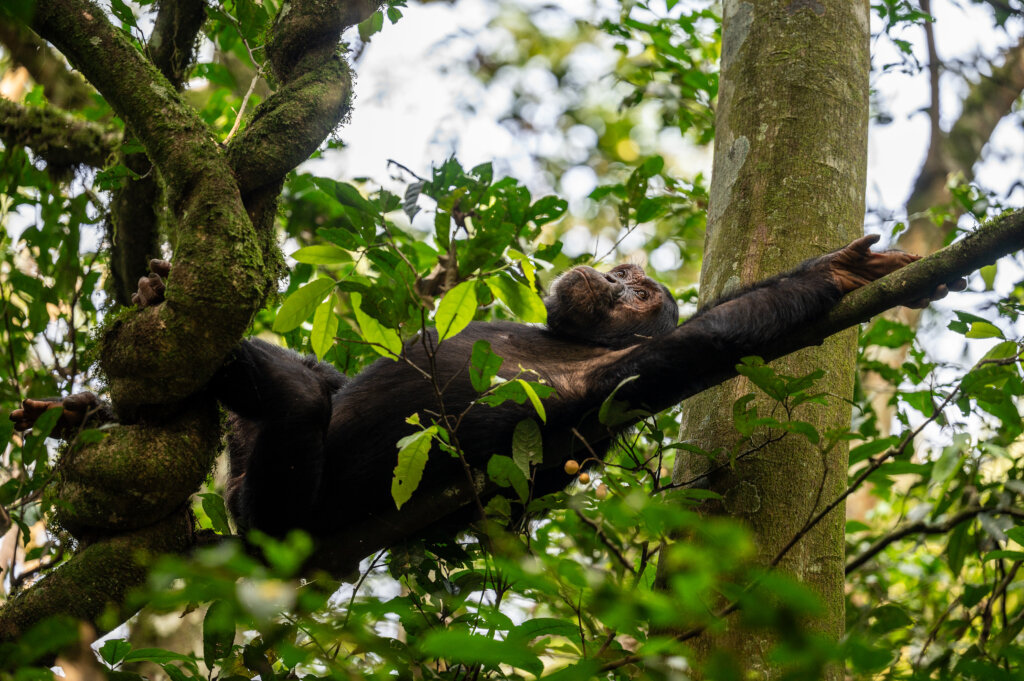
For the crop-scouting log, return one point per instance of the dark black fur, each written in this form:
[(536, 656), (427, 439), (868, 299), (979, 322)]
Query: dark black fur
[(313, 450)]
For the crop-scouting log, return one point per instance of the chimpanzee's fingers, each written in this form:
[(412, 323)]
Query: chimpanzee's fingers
[(160, 267), (864, 243), (958, 285)]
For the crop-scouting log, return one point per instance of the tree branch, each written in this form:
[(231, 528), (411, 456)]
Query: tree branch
[(173, 41), (58, 138), (923, 527)]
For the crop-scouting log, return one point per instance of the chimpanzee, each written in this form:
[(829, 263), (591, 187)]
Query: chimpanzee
[(315, 450)]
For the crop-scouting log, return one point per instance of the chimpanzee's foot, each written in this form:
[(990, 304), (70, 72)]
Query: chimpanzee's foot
[(77, 410), (151, 288)]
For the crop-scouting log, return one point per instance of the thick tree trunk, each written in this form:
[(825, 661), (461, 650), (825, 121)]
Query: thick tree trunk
[(788, 183)]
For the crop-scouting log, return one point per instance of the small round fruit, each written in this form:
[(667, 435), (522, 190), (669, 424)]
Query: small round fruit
[(584, 478), (602, 491), (572, 467)]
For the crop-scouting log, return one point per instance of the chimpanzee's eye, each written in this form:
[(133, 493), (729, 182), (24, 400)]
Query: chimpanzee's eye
[(642, 294)]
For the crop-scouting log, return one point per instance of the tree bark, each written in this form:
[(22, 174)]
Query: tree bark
[(788, 183)]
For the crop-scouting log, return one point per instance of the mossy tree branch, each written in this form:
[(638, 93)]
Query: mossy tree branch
[(57, 137), (158, 358)]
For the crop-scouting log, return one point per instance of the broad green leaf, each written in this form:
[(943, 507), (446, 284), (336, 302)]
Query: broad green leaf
[(158, 656), (526, 265), (889, 617), (114, 650), (384, 341), (547, 209), (218, 631), (458, 645), (325, 326), (957, 547), (322, 254), (412, 458), (984, 330), (523, 302), (213, 507), (504, 471), (527, 445), (615, 412), (516, 390), (534, 399), (300, 305), (543, 626), (456, 310), (483, 366)]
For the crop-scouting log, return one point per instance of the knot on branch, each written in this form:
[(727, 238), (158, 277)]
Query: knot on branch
[(137, 474)]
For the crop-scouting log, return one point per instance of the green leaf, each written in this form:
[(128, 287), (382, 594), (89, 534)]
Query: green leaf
[(504, 471), (523, 302), (1010, 555), (519, 391), (483, 366), (213, 507), (543, 626), (300, 305), (956, 548), (218, 631), (527, 445), (763, 376), (984, 330), (114, 650), (325, 327), (889, 617), (615, 412), (456, 310), (458, 645), (322, 254), (948, 464), (413, 451), (386, 342), (41, 429), (534, 399), (547, 209), (159, 656)]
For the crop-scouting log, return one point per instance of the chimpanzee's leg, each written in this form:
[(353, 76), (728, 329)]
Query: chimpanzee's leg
[(281, 406)]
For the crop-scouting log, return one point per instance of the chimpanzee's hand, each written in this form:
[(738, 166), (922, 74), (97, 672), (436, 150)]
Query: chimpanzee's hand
[(856, 265), (77, 408), (151, 288)]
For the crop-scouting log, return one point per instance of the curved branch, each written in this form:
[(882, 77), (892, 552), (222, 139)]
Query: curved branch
[(173, 41), (58, 138), (303, 53), (219, 267), (96, 577)]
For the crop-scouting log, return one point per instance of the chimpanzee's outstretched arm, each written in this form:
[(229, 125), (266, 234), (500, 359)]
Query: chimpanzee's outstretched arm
[(758, 321)]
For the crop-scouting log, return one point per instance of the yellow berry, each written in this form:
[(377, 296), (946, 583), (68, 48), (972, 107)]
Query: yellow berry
[(571, 467), (602, 491), (584, 478)]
